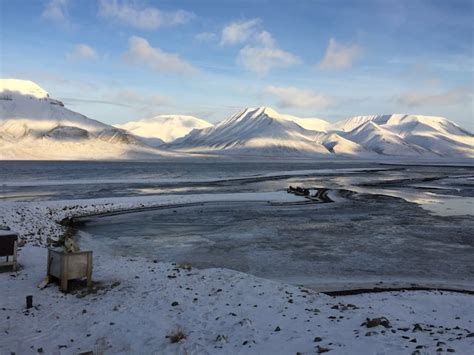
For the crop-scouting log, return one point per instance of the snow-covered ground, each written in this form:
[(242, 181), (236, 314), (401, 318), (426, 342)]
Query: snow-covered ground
[(137, 304)]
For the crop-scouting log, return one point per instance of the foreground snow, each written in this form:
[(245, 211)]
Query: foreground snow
[(137, 304)]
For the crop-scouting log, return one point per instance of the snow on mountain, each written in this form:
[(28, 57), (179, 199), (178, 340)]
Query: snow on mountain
[(164, 128), (313, 124), (340, 145), (400, 134), (264, 131), (382, 141), (35, 126), (253, 131), (22, 87)]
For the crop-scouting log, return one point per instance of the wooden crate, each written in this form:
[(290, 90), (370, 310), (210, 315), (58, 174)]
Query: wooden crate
[(8, 248), (70, 266)]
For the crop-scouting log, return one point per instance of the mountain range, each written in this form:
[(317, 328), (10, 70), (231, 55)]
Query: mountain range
[(35, 126)]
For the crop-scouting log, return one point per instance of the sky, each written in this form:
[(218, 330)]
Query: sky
[(118, 61)]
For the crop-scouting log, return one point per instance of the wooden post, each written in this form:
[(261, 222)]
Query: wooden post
[(89, 270), (64, 274), (14, 255), (29, 302)]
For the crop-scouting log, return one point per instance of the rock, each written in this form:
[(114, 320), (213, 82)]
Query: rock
[(449, 350), (317, 339), (470, 335), (417, 328), (174, 304), (277, 329), (375, 322), (321, 350), (413, 340), (368, 334)]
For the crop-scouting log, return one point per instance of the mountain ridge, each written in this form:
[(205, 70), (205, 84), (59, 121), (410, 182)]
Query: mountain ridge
[(35, 126)]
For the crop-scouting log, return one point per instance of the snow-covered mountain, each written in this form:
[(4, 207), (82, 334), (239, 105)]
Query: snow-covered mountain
[(35, 126), (253, 131), (164, 128), (264, 131), (412, 135)]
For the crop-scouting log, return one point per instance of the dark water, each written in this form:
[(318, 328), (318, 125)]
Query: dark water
[(53, 180), (365, 238)]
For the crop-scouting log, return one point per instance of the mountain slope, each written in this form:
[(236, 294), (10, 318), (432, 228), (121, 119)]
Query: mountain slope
[(266, 132), (164, 128), (253, 131), (400, 134), (382, 141), (35, 126)]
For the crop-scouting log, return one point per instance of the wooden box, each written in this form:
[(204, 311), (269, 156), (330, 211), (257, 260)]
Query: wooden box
[(70, 266), (8, 248)]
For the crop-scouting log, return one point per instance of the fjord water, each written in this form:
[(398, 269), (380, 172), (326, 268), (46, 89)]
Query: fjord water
[(60, 180), (406, 224)]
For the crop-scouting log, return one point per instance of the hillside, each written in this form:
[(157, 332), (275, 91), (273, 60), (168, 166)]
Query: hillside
[(164, 128), (35, 126), (253, 131)]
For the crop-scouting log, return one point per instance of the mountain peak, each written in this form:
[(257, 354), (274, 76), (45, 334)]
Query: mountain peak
[(23, 87), (254, 112)]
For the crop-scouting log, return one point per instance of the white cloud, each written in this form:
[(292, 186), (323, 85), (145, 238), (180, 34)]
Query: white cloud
[(56, 10), (83, 52), (291, 97), (140, 16), (205, 37), (265, 55), (340, 56), (450, 97), (140, 52), (261, 54), (239, 31), (262, 59)]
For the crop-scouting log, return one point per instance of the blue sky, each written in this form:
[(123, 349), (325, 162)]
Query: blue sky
[(117, 60)]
